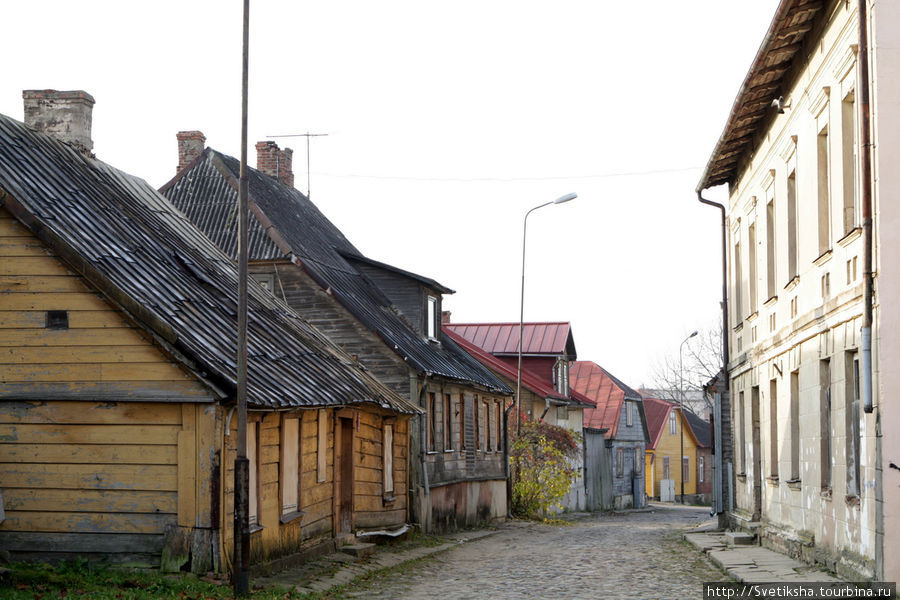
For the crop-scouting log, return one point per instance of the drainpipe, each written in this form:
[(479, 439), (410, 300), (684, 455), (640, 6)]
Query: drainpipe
[(422, 439), (865, 139), (717, 411)]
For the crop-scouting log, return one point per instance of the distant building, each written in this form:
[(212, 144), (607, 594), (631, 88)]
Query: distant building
[(673, 454)]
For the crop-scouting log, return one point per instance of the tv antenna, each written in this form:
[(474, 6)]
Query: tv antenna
[(307, 135)]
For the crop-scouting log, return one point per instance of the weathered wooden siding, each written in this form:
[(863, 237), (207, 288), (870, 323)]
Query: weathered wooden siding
[(99, 352), (408, 295), (101, 479), (305, 296), (370, 510)]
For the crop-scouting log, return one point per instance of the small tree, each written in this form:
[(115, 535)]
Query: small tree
[(541, 467)]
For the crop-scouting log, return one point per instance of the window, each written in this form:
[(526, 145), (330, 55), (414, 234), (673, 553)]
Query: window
[(825, 422), (620, 462), (824, 195), (738, 285), (851, 396), (773, 428), (795, 426), (431, 325), (488, 430), (322, 445), (447, 421), (742, 433), (562, 413), (629, 415), (57, 319), (667, 471), (266, 280), (388, 458), (476, 408), (751, 250), (826, 286), (770, 249), (686, 468), (638, 461), (290, 465), (673, 424), (792, 225), (431, 411), (701, 475), (252, 457), (848, 163)]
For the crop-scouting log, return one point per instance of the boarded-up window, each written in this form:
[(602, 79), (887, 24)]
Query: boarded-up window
[(629, 415), (462, 422), (620, 462), (388, 450), (322, 446), (488, 430), (290, 465), (638, 461), (701, 477), (476, 408), (431, 415), (447, 420), (253, 456), (667, 471)]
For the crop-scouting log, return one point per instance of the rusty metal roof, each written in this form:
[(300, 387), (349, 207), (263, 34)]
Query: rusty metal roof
[(606, 392), (503, 338), (296, 228), (767, 79), (146, 258)]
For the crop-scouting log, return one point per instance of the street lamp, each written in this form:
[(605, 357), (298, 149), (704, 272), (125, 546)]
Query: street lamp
[(559, 200), (681, 405)]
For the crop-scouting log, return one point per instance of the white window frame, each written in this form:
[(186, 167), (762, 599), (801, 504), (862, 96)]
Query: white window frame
[(431, 316), (700, 466)]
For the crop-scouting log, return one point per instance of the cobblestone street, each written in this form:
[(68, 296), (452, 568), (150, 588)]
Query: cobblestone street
[(621, 555)]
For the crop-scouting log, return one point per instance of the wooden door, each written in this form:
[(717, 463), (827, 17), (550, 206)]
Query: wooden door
[(345, 469)]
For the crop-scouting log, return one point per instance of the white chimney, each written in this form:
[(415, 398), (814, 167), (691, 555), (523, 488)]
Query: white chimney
[(65, 115)]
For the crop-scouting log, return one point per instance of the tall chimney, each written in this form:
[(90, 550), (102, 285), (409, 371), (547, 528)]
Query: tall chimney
[(190, 145), (65, 115), (275, 162), (445, 317)]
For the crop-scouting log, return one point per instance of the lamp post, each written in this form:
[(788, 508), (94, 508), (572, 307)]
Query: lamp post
[(559, 200), (681, 405)]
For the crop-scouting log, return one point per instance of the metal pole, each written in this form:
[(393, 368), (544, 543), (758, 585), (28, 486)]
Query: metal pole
[(241, 562)]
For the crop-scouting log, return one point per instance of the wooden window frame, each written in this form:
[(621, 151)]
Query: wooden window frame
[(673, 422), (431, 418), (321, 446), (620, 462), (686, 469), (387, 470), (289, 479), (462, 423), (666, 468), (253, 474), (629, 416), (448, 423)]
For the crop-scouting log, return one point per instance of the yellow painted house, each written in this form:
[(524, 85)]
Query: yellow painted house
[(117, 382), (664, 423)]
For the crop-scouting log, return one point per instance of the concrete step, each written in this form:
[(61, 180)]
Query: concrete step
[(360, 550), (739, 538), (344, 539)]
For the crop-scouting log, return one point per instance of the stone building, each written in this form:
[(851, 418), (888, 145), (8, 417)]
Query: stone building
[(804, 305)]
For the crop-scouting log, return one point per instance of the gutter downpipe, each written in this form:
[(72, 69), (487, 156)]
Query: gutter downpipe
[(422, 440), (717, 412), (865, 135)]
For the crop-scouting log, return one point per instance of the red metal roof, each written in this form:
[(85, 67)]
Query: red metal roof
[(503, 338), (606, 393), (657, 412)]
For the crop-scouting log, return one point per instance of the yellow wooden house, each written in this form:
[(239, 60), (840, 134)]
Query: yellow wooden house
[(663, 480), (117, 381)]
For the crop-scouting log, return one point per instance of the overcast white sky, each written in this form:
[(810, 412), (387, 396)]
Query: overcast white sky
[(446, 122)]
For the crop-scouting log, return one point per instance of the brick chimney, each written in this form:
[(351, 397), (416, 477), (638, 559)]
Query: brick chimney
[(190, 145), (275, 162), (65, 115), (445, 317)]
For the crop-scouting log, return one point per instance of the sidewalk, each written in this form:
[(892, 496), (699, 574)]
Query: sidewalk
[(341, 568), (754, 564)]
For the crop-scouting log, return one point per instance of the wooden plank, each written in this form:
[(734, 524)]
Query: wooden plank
[(207, 427), (88, 454), (88, 434), (37, 265), (88, 372), (20, 247), (84, 522), (90, 413), (143, 353), (132, 501), (95, 477), (78, 319), (314, 494), (11, 227), (28, 541), (44, 284), (187, 482), (54, 301), (100, 336), (111, 391)]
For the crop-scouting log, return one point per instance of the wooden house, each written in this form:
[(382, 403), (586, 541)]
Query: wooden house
[(546, 394), (387, 318), (618, 411), (702, 430), (117, 380), (664, 470)]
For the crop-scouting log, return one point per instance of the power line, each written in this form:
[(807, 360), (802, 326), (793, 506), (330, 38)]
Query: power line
[(508, 179)]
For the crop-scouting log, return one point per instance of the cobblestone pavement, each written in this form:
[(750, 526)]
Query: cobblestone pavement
[(619, 555)]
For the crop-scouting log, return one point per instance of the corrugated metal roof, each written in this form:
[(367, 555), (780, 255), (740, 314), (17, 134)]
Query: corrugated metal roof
[(145, 257), (766, 80), (605, 391), (298, 227), (503, 338)]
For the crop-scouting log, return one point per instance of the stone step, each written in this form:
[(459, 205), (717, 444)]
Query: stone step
[(360, 550), (739, 538), (344, 539)]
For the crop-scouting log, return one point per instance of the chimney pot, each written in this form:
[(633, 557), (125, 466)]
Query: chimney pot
[(190, 146), (64, 115), (272, 161)]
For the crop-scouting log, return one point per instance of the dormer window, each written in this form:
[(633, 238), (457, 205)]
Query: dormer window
[(431, 318), (561, 375)]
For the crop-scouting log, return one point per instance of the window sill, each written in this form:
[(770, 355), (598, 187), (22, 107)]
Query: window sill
[(739, 327), (790, 285), (449, 451), (742, 476), (823, 258), (850, 237), (852, 501), (291, 516), (773, 481), (793, 484), (387, 500), (770, 301), (825, 493), (255, 528), (753, 316)]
